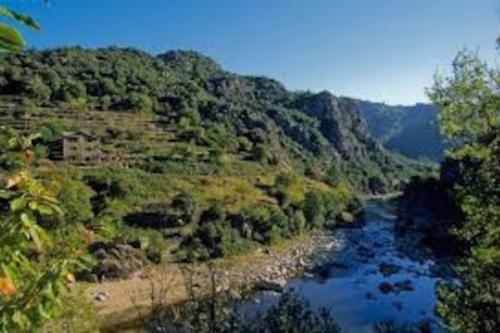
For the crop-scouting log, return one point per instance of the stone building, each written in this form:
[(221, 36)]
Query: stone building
[(78, 148)]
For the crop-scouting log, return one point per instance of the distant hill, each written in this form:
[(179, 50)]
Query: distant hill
[(410, 130)]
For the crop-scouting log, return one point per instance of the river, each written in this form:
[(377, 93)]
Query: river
[(373, 279)]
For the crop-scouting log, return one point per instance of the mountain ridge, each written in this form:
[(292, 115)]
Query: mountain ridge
[(251, 117), (411, 130)]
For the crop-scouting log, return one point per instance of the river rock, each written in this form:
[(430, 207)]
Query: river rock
[(322, 271), (347, 218), (271, 285), (405, 285), (386, 287), (101, 296), (388, 269), (331, 224)]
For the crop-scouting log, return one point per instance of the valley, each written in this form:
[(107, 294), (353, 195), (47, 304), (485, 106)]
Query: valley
[(167, 194)]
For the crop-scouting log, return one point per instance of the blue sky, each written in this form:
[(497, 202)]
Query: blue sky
[(381, 50)]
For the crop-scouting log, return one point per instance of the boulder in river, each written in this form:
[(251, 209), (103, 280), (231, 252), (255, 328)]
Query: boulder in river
[(405, 285), (388, 269), (271, 285), (347, 217), (386, 287), (345, 220)]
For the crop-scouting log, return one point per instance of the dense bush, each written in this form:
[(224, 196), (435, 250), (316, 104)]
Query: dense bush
[(186, 207), (314, 208), (74, 196), (220, 234)]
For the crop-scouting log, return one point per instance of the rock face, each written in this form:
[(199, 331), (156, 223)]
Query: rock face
[(411, 130), (341, 123)]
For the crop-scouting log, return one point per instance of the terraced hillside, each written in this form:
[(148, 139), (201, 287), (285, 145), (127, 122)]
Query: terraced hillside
[(181, 112)]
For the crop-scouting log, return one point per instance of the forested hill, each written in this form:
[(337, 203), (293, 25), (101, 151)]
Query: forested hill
[(202, 105), (410, 130)]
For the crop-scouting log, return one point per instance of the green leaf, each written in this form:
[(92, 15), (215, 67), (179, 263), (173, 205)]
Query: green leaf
[(5, 194), (10, 38), (32, 231), (18, 204), (21, 18)]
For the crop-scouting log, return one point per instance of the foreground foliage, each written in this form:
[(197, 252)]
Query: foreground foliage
[(35, 264), (470, 102)]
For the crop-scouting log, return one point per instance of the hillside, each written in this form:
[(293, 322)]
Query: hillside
[(410, 130), (194, 111)]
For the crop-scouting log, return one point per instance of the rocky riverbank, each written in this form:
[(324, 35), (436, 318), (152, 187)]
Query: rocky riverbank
[(122, 303), (373, 281)]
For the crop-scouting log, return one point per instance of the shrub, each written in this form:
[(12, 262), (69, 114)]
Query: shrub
[(268, 224), (187, 206), (285, 180), (298, 222), (149, 240), (334, 203), (314, 208), (244, 144), (220, 239), (261, 154), (214, 213), (74, 195), (140, 102), (155, 164), (259, 218)]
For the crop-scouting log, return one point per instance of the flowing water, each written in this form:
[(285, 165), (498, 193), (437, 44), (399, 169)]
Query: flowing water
[(373, 278)]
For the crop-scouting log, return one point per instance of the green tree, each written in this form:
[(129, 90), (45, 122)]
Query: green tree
[(470, 104), (38, 90), (72, 90), (140, 102)]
